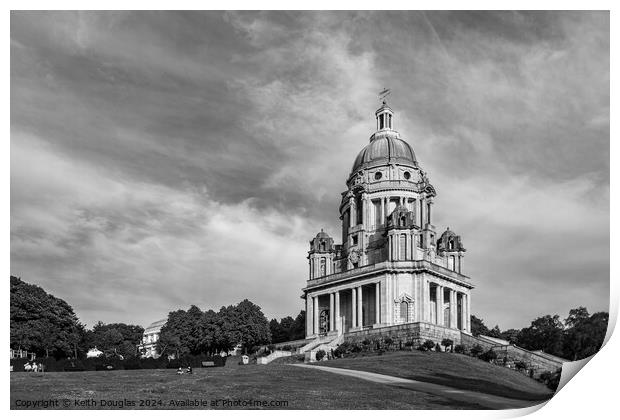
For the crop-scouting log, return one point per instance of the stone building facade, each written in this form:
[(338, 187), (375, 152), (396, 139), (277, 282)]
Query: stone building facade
[(391, 269), (150, 337)]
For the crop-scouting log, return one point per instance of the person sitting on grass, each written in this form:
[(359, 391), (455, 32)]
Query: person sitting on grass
[(180, 371), (27, 367), (189, 370)]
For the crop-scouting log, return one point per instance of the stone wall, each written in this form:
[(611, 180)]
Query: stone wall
[(416, 332), (539, 362)]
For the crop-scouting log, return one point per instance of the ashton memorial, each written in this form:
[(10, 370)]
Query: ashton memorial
[(392, 272)]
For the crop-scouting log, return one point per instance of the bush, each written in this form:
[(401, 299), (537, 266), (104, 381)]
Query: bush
[(320, 355), (271, 347), (446, 342), (459, 349), (337, 353), (551, 379), (476, 350), (520, 365), (287, 348), (488, 355), (429, 344), (437, 348), (388, 341)]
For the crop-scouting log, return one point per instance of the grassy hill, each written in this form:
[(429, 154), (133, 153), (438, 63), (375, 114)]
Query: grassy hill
[(450, 369)]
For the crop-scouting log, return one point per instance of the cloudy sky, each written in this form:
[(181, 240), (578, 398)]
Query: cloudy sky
[(165, 159)]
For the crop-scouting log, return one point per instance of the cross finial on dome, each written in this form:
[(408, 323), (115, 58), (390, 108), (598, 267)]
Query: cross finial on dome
[(384, 94)]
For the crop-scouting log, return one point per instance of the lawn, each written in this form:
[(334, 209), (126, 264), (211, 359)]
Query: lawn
[(451, 369), (300, 388)]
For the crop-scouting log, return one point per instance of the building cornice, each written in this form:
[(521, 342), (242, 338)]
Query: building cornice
[(418, 266)]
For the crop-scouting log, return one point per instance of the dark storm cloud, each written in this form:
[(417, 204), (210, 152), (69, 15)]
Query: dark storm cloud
[(160, 159)]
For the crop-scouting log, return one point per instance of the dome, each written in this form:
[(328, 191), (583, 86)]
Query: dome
[(384, 150), (322, 235)]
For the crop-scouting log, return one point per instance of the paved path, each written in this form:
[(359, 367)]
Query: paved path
[(486, 400)]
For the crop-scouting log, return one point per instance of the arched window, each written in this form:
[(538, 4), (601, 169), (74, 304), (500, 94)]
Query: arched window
[(403, 248), (404, 311), (451, 244), (452, 263), (322, 246), (322, 266)]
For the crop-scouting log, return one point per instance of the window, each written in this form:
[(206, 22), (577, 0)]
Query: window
[(322, 267), (354, 237), (378, 175), (407, 175), (403, 248), (451, 264), (404, 311), (451, 244)]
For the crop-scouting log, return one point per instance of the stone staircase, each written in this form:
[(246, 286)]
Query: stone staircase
[(275, 355), (322, 343)]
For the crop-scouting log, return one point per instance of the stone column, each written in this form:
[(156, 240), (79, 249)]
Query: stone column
[(331, 312), (377, 303), (353, 308), (365, 209), (315, 311), (352, 213), (452, 309), (463, 312), (421, 205), (338, 325), (309, 310), (439, 300), (382, 211), (360, 318), (468, 311), (387, 209)]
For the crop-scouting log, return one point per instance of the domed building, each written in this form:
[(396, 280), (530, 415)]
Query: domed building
[(391, 274)]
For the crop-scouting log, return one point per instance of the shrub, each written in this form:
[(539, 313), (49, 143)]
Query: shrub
[(429, 344), (271, 347), (520, 365), (320, 355), (446, 342), (388, 341), (437, 348), (476, 350), (551, 379), (287, 348), (459, 349), (337, 353), (488, 355), (366, 342), (356, 348)]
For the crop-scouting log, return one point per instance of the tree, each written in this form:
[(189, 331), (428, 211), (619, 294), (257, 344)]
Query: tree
[(42, 323), (478, 327), (248, 325), (510, 335), (117, 338), (298, 329), (545, 333), (278, 334), (585, 334), (495, 332)]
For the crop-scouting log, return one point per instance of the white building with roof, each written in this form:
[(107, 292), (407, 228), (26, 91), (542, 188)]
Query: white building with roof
[(148, 347)]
